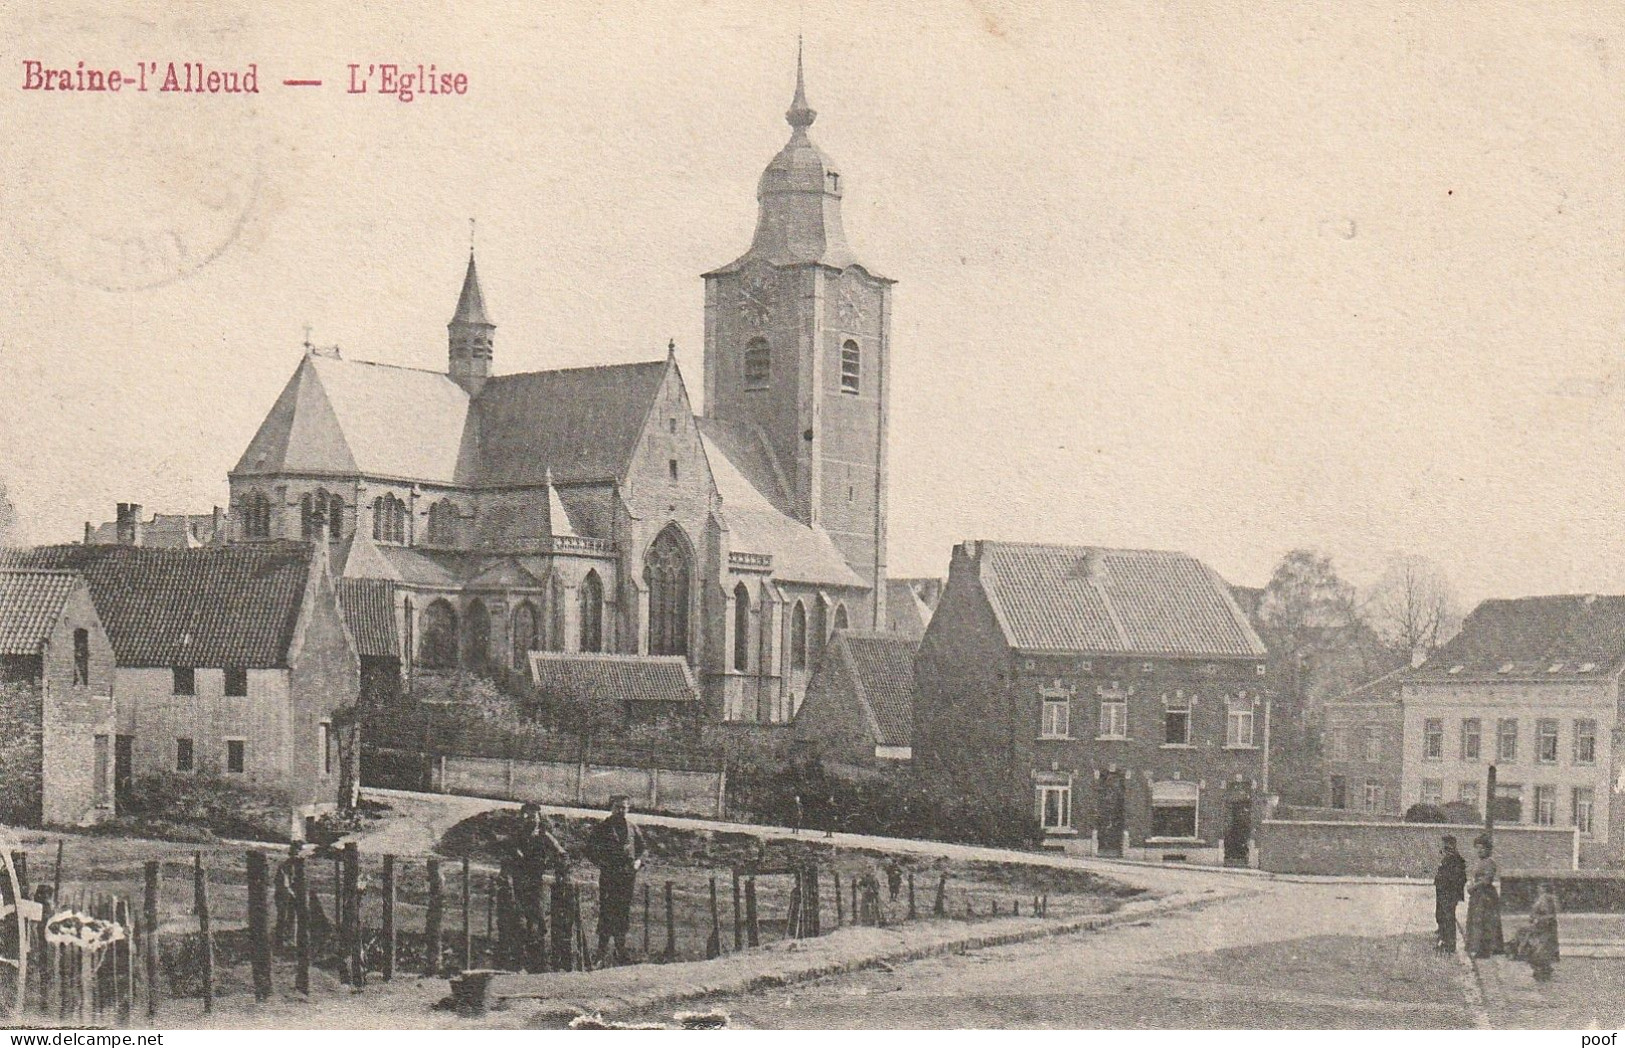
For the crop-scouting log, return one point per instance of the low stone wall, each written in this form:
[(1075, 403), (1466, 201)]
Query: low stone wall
[(1402, 849), (1578, 891)]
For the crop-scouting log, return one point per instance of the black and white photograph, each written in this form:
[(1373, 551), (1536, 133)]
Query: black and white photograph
[(820, 515)]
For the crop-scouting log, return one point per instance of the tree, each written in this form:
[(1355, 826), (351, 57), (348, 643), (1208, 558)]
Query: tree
[(1413, 608), (1320, 647)]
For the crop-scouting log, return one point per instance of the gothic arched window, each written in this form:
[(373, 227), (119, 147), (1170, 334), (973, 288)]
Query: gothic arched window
[(798, 637), (335, 517), (388, 519), (443, 516), (758, 364), (741, 628), (524, 633), (307, 515), (592, 613), (840, 619), (256, 516), (437, 648), (477, 636), (667, 570)]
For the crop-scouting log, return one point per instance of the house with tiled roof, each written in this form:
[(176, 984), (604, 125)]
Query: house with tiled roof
[(1530, 686), (619, 689), (56, 701), (588, 509), (859, 710), (1119, 696), (1361, 747), (235, 659)]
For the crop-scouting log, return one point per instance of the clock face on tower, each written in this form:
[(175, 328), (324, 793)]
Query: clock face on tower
[(853, 306), (756, 295)]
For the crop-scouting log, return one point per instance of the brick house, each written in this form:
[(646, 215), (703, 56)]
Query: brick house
[(232, 658), (589, 509), (1531, 686), (1362, 746), (859, 710), (1120, 695), (56, 701)]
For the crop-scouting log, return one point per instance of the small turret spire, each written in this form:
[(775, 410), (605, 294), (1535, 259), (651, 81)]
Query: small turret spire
[(800, 114), (470, 332)]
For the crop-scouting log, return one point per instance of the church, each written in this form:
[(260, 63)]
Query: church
[(590, 509)]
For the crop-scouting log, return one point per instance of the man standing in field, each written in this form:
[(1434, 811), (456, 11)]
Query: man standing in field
[(616, 847)]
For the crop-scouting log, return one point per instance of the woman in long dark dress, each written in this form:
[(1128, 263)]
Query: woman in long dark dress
[(1484, 937)]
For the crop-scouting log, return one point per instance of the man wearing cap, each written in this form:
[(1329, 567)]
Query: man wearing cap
[(1449, 885), (616, 847), (530, 854)]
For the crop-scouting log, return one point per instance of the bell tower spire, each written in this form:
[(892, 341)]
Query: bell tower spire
[(470, 332), (800, 114)]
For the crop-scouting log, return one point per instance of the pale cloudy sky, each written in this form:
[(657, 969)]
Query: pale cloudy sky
[(1225, 279)]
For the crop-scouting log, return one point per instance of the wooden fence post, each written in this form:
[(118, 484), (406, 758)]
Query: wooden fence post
[(338, 895), (752, 929), (149, 931), (259, 923), (815, 924), (126, 997), (56, 881), (646, 922), (739, 929), (713, 945), (19, 861), (840, 907), (304, 895), (431, 921), (856, 912), (671, 926), (468, 917), (389, 917), (940, 907), (490, 920), (200, 896), (911, 914), (352, 915)]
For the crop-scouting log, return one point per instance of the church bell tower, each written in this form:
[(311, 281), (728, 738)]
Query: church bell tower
[(798, 344), (470, 335)]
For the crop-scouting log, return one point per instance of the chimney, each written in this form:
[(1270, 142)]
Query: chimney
[(89, 531), (217, 536), (129, 523), (1094, 567)]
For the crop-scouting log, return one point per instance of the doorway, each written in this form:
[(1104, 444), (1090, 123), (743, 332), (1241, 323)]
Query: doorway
[(1110, 822), (1238, 833)]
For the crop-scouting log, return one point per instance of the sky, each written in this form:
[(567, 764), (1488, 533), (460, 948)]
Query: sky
[(1228, 279)]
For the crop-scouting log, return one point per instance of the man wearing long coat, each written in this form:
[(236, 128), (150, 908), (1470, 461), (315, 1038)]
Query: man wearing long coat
[(616, 847), (1449, 887)]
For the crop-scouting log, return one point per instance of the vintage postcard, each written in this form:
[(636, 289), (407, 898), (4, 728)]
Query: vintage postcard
[(965, 514)]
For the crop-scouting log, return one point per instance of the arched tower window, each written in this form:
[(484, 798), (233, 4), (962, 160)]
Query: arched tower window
[(524, 633), (851, 367), (437, 650), (798, 637), (668, 571), (335, 517), (741, 628), (388, 519), (758, 364), (591, 597), (307, 516), (443, 517), (840, 618), (256, 515), (477, 636)]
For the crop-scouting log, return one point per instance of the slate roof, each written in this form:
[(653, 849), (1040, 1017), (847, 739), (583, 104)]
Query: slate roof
[(882, 666), (30, 603), (471, 302), (748, 484), (1541, 638), (220, 606), (348, 417), (1091, 600), (582, 423), (612, 678), (369, 611)]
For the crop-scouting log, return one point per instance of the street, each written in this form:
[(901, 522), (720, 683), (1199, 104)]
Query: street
[(1285, 956)]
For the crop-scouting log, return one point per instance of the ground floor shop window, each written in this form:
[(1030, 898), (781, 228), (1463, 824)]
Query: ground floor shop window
[(1173, 809), (1055, 807)]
